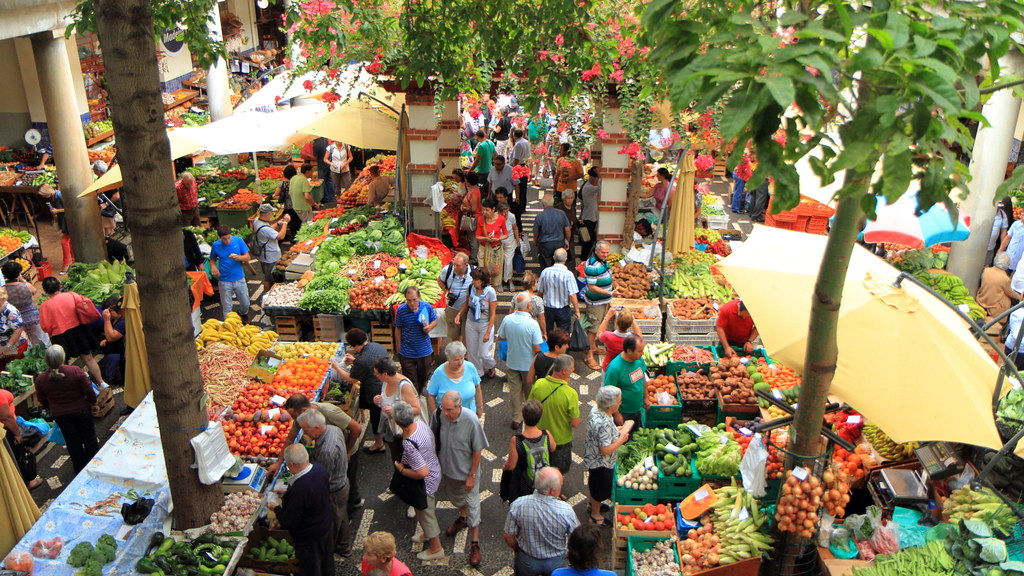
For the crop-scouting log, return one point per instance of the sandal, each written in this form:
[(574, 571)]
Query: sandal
[(35, 483), (369, 450), (592, 364), (600, 521)]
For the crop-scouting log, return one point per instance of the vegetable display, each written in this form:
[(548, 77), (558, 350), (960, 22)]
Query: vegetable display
[(692, 355), (738, 531), (421, 273), (236, 512), (658, 561), (967, 504), (643, 476), (631, 281), (673, 448), (718, 454), (284, 294), (637, 449), (97, 281), (694, 309), (837, 490), (371, 294), (223, 369), (800, 499), (205, 555), (647, 517), (735, 379), (661, 391), (658, 354), (695, 386), (684, 284), (931, 559), (977, 550), (273, 550), (91, 559)]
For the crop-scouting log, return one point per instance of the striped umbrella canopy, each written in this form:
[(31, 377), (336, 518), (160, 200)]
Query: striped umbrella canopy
[(900, 223)]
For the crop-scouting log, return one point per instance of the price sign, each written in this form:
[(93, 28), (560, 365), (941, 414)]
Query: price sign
[(274, 413), (799, 473), (423, 272), (264, 428), (701, 494), (744, 514), (351, 271), (376, 264), (277, 400), (746, 431), (854, 419), (777, 394), (378, 279), (670, 447)]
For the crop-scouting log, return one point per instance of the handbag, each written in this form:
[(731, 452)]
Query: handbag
[(467, 223), (578, 339), (85, 309), (412, 492), (518, 261)]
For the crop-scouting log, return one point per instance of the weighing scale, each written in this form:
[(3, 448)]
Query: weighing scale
[(939, 460), (890, 487)]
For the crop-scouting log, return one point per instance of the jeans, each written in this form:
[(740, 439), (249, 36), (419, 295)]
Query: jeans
[(231, 290), (737, 194), (546, 252), (80, 438), (560, 317), (526, 565)]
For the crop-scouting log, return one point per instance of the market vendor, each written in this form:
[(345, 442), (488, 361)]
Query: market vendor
[(627, 373), (735, 327), (113, 342), (379, 188), (297, 404), (361, 355)]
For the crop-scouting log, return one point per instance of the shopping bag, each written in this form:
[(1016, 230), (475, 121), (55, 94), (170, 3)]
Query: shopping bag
[(518, 261), (578, 341), (436, 197), (752, 467)]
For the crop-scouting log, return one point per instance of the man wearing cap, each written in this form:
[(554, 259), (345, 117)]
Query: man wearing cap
[(226, 258), (268, 228)]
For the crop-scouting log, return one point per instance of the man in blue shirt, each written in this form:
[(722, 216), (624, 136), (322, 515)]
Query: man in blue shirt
[(413, 322), (226, 259), (524, 340), (551, 230)]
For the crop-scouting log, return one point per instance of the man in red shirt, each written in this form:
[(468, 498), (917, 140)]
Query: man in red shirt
[(735, 327), (188, 199)]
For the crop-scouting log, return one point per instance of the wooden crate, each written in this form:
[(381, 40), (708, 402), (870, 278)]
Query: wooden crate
[(288, 328), (619, 555), (383, 335), (104, 403), (327, 327)]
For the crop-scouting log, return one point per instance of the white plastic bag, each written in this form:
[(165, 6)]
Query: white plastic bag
[(752, 467), (436, 198)]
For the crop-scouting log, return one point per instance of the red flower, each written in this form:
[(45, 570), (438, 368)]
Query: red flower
[(308, 85), (594, 72), (602, 133), (617, 76), (520, 171), (376, 66), (632, 150), (704, 162), (559, 40)]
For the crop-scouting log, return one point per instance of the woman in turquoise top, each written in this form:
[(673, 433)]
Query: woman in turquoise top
[(459, 375)]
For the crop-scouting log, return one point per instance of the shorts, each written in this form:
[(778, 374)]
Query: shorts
[(268, 271), (457, 494), (561, 458), (600, 483), (595, 315)]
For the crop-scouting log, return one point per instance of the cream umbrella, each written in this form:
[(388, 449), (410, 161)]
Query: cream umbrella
[(681, 218), (136, 377), (358, 124), (18, 512), (907, 361), (112, 178)]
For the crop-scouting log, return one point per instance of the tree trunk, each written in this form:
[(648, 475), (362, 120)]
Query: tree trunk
[(125, 30), (822, 351)]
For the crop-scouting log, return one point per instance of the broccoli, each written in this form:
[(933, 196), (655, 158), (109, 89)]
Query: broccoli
[(108, 540), (91, 568), (104, 553), (80, 554)]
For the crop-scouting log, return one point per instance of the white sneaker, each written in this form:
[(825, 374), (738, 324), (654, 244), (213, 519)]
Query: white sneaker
[(419, 537), (428, 555), (410, 513)]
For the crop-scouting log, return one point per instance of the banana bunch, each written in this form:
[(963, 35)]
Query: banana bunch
[(233, 333), (739, 539), (886, 447), (430, 292)]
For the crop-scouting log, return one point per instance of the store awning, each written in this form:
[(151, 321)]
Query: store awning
[(253, 131), (353, 80), (906, 360), (111, 179), (359, 124)]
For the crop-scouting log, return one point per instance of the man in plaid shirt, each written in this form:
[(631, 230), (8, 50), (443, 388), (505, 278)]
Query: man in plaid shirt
[(537, 527)]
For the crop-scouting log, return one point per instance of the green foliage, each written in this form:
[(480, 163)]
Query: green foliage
[(97, 282), (890, 81)]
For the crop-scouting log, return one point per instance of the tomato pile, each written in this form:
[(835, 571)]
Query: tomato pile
[(648, 517), (236, 173), (272, 173), (379, 263), (370, 294), (329, 213), (245, 439)]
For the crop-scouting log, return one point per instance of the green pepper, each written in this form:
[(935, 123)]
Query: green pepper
[(146, 566), (165, 545)]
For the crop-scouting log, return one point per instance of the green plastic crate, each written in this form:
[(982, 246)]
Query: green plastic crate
[(630, 496), (675, 488), (757, 353), (663, 415), (674, 368), (235, 218), (642, 544)]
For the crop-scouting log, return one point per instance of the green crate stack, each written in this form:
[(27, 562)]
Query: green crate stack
[(643, 544), (674, 488), (630, 496), (757, 353), (663, 415)]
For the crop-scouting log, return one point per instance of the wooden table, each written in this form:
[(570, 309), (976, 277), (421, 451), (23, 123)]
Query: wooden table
[(13, 197), (180, 97)]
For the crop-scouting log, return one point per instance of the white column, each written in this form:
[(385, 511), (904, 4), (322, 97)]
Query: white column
[(614, 176), (424, 155), (218, 90), (988, 168)]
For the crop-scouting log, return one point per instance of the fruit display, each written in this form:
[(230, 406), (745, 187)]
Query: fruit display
[(853, 464), (784, 395), (836, 493), (236, 512), (647, 517), (661, 391), (886, 447), (631, 281), (305, 374), (421, 273), (97, 127), (966, 504), (797, 511), (104, 155), (224, 371), (718, 453), (739, 534), (271, 173), (372, 294), (273, 550), (294, 350), (673, 448), (256, 439), (285, 295), (695, 386), (659, 354), (733, 378), (692, 355), (694, 309), (657, 561), (232, 332)]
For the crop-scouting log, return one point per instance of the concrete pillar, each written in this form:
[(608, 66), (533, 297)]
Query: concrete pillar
[(988, 170), (448, 141), (218, 91), (68, 140), (614, 176), (424, 156)]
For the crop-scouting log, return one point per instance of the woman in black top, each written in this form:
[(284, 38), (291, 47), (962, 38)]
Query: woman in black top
[(558, 343)]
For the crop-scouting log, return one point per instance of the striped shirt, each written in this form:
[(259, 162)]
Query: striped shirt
[(418, 451), (556, 285), (541, 525), (598, 274)]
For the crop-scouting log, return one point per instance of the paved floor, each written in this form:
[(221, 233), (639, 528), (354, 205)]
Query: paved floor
[(384, 512)]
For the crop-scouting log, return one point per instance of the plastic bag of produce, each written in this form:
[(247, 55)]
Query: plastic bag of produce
[(886, 539), (752, 467), (841, 544), (910, 531)]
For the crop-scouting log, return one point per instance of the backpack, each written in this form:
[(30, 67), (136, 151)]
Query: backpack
[(535, 455), (256, 247)]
